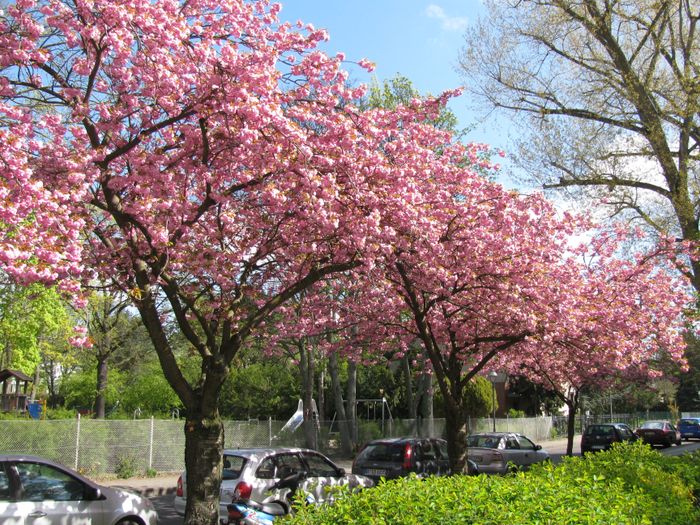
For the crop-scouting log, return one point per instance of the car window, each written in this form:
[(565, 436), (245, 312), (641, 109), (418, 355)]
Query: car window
[(625, 431), (483, 441), (390, 452), (4, 485), (512, 443), (233, 466), (442, 449), (428, 452), (525, 443), (320, 466), (653, 424), (600, 430), (43, 482), (287, 464)]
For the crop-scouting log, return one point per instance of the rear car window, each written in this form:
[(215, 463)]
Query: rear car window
[(483, 441), (653, 424), (689, 422), (600, 430), (391, 452), (233, 466)]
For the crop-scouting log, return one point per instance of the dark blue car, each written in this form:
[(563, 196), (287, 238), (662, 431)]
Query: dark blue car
[(689, 427)]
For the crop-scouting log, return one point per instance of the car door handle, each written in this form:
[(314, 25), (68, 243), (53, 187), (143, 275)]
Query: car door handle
[(37, 514)]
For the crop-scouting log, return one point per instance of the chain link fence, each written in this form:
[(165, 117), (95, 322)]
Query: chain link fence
[(110, 447)]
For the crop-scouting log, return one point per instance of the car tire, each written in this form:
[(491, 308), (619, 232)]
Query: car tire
[(129, 521)]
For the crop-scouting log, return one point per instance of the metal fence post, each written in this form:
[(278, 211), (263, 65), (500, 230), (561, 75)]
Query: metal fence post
[(269, 430), (150, 446), (77, 442)]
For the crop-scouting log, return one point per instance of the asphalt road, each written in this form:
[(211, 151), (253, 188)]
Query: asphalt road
[(556, 449)]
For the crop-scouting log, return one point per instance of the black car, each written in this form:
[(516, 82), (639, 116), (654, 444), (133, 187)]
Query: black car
[(601, 436), (396, 457)]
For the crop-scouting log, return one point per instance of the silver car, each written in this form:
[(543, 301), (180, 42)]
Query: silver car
[(502, 452), (252, 472), (42, 492)]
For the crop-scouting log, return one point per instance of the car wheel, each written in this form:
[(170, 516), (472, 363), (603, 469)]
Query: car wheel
[(130, 521)]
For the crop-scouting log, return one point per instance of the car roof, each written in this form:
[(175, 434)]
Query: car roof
[(250, 452), (496, 434), (399, 440)]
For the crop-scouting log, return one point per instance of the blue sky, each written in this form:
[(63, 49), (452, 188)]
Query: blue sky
[(419, 39)]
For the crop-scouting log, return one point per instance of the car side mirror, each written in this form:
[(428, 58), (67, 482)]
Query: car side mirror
[(341, 472), (538, 447), (93, 493)]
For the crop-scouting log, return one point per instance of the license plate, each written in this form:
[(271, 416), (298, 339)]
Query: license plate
[(476, 459), (375, 472), (598, 447)]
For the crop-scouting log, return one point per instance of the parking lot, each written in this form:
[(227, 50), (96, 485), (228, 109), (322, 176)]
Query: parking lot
[(556, 449)]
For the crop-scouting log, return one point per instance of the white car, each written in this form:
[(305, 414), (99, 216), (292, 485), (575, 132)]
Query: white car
[(502, 452), (38, 491), (252, 472)]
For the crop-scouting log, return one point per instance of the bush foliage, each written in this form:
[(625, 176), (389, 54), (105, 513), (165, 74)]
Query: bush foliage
[(631, 484)]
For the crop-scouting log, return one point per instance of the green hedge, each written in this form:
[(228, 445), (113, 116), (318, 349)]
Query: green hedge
[(630, 484)]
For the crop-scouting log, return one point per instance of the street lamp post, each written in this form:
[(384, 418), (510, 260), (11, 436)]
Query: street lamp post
[(492, 377)]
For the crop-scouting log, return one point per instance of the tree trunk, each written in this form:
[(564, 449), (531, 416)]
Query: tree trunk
[(101, 387), (35, 384), (572, 404), (306, 362), (204, 445), (425, 409), (456, 432), (408, 379), (341, 418), (351, 411), (321, 395)]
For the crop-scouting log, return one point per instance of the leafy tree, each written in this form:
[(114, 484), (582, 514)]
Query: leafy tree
[(605, 97), (114, 335), (268, 388), (532, 398), (146, 388), (35, 327), (79, 390)]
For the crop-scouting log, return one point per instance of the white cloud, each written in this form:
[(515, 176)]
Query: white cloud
[(448, 23)]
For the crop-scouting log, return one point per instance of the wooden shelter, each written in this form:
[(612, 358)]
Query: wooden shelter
[(14, 390)]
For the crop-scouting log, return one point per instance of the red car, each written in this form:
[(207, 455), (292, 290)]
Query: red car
[(659, 433)]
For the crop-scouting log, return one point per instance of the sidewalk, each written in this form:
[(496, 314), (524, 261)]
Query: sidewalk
[(166, 484), (161, 485)]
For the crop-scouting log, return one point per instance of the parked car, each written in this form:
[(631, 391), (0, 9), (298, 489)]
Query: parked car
[(502, 452), (659, 433), (250, 473), (601, 436), (396, 457), (689, 427), (36, 490)]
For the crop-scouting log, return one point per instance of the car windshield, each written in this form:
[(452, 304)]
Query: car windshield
[(692, 422), (483, 441), (233, 466), (392, 452), (653, 424)]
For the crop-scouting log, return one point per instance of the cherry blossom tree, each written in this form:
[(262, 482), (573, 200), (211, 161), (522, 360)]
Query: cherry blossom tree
[(204, 160), (624, 321), (489, 280)]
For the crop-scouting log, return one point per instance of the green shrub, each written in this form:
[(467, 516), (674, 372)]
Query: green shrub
[(126, 466), (630, 484)]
